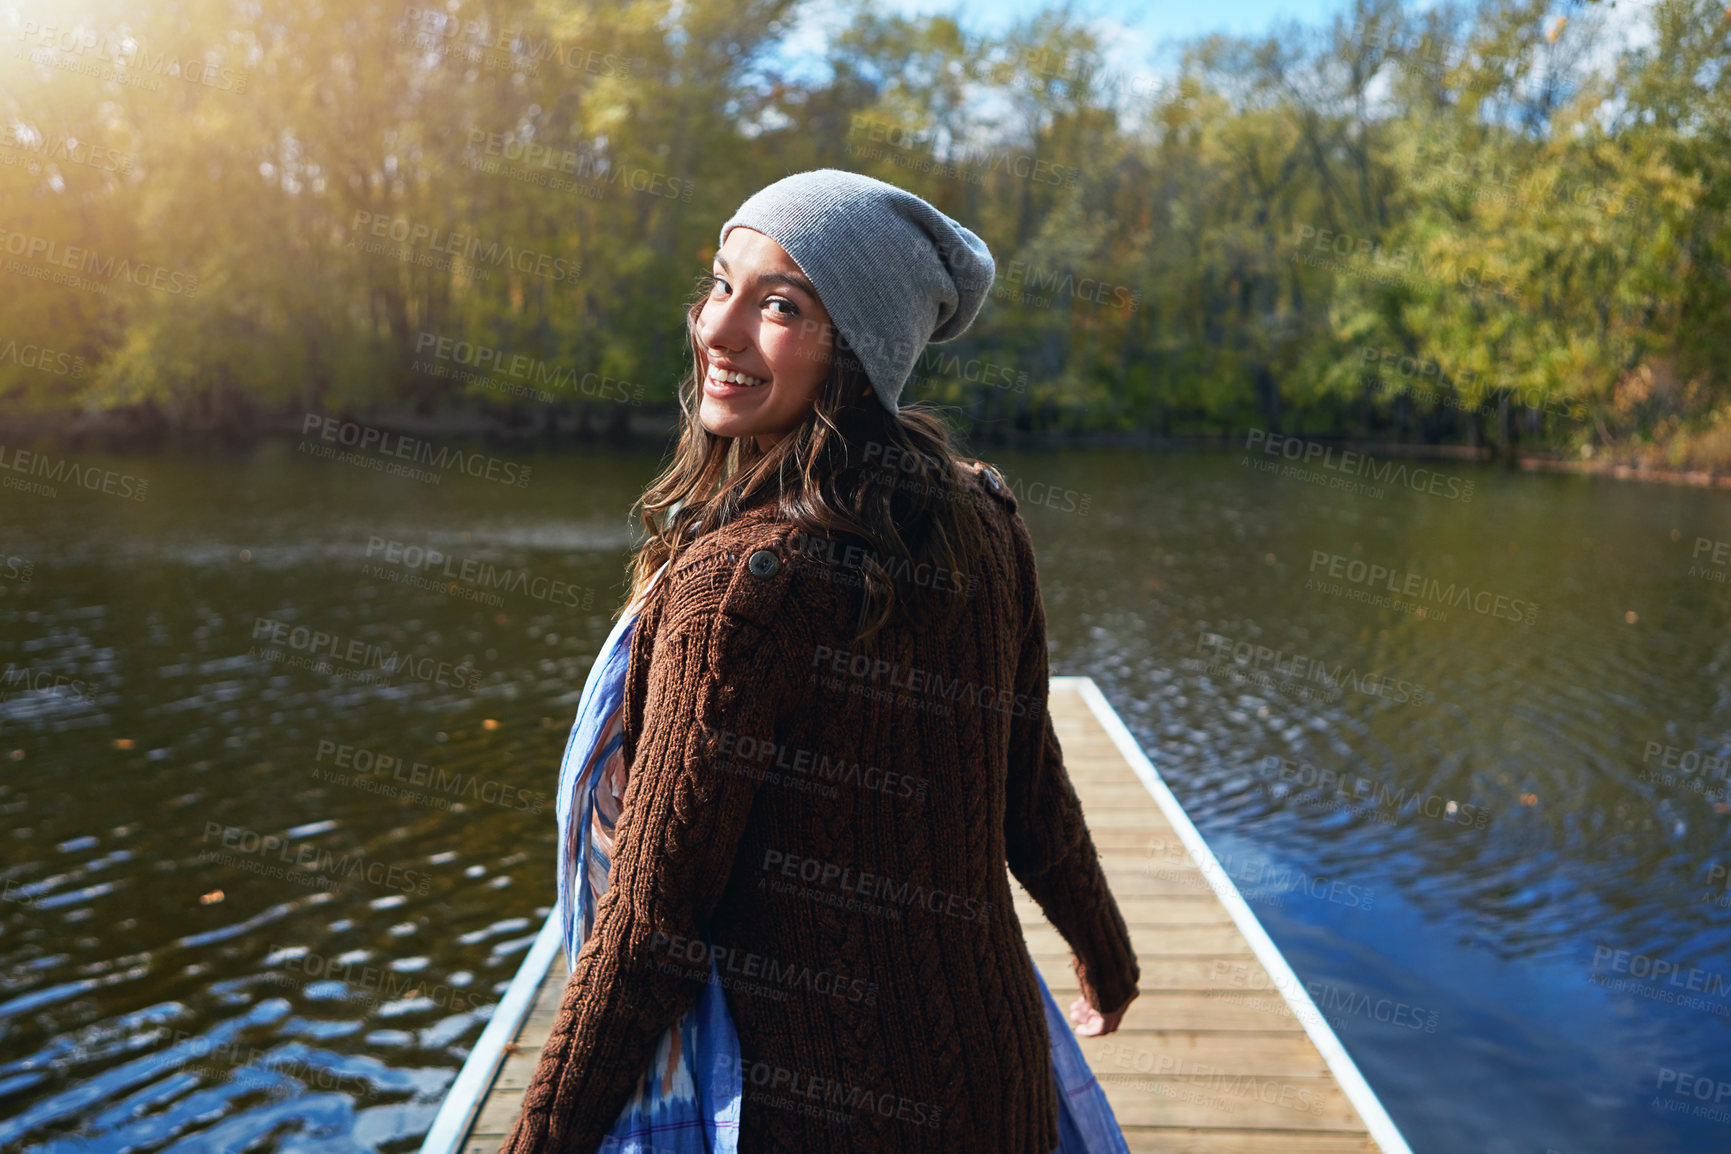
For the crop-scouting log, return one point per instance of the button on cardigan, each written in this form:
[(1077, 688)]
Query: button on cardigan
[(831, 824)]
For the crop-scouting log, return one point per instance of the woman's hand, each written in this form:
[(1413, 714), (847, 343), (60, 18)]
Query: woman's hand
[(1091, 1023)]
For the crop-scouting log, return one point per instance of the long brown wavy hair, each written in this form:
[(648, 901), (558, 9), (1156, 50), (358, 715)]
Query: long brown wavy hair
[(850, 474)]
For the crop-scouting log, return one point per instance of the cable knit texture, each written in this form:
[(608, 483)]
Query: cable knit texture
[(837, 821)]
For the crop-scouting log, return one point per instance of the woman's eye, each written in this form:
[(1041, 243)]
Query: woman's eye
[(720, 287)]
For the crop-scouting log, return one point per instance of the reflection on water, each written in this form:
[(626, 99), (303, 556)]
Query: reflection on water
[(278, 748)]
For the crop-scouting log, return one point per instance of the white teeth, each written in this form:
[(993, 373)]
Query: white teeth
[(716, 374)]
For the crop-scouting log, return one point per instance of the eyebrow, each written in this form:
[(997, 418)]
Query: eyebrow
[(793, 280)]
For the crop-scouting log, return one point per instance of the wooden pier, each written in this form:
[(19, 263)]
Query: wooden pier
[(1222, 1052)]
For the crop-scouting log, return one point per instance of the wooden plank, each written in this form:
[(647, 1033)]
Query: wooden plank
[(1170, 882), (1144, 842), (1197, 1053), (1146, 910), (534, 1035), (1209, 1051), (1216, 1140), (1250, 1102), (1209, 1059), (1221, 975), (517, 1069), (1190, 1010), (1118, 817), (498, 1113), (499, 1108), (1127, 1053), (1214, 940)]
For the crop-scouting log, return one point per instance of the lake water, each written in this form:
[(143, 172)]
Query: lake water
[(1493, 841)]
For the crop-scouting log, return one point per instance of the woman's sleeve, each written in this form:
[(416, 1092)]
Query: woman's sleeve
[(714, 670), (1045, 836)]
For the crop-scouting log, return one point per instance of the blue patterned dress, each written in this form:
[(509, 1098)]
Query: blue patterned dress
[(688, 1099)]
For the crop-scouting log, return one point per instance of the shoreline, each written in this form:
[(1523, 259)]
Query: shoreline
[(649, 428), (1699, 479)]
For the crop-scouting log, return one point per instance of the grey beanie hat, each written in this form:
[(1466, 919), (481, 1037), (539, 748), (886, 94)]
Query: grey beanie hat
[(892, 271)]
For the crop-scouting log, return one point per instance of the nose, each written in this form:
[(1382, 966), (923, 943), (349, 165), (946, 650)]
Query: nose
[(722, 326)]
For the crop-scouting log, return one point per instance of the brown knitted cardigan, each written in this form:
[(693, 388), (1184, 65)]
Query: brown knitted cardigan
[(837, 822)]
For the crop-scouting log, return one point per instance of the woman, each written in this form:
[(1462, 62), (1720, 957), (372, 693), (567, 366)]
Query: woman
[(833, 712)]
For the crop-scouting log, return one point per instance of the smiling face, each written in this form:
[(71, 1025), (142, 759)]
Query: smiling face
[(762, 318)]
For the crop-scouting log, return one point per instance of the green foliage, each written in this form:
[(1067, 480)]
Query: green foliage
[(1403, 220)]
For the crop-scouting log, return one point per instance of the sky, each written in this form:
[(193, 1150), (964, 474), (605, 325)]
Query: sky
[(1140, 38), (1145, 24)]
